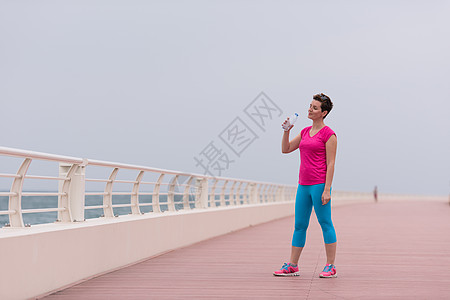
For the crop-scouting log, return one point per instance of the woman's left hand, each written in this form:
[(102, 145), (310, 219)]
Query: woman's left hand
[(326, 197)]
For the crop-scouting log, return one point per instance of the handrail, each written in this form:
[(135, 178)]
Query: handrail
[(68, 159), (165, 171), (39, 155), (199, 191)]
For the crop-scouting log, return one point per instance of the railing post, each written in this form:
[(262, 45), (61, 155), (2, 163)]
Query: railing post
[(276, 193), (222, 194), (232, 196), (77, 194), (238, 194), (263, 193), (254, 193), (73, 190), (187, 189), (271, 193), (201, 199), (283, 194), (171, 194), (212, 194), (248, 193), (135, 210), (155, 196), (15, 201), (107, 197)]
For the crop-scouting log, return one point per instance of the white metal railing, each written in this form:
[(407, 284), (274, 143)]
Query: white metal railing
[(166, 190)]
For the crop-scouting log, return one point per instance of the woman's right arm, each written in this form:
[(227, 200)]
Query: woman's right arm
[(288, 147)]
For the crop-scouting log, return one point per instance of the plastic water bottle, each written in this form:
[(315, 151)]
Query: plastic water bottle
[(290, 122)]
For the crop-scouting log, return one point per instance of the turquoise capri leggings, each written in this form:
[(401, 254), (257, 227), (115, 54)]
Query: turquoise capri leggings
[(307, 197)]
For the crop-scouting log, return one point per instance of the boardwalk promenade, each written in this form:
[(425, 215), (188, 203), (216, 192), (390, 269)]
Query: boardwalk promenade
[(388, 250)]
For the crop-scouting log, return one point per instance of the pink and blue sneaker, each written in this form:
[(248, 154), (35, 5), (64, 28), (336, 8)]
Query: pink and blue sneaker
[(287, 270), (329, 271)]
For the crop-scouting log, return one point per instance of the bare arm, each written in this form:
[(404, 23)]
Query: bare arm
[(288, 147), (331, 146)]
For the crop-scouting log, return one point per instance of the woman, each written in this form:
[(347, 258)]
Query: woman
[(317, 145)]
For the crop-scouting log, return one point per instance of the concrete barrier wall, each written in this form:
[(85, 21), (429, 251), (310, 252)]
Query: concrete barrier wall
[(37, 260)]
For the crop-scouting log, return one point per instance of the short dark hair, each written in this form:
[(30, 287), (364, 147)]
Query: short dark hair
[(326, 104)]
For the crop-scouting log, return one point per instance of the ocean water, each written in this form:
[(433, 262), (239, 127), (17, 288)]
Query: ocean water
[(32, 202)]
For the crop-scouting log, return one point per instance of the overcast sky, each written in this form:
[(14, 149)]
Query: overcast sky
[(157, 83)]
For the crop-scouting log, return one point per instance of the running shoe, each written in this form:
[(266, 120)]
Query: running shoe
[(329, 271), (287, 270)]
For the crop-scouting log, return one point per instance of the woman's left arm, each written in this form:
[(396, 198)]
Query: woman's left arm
[(330, 146)]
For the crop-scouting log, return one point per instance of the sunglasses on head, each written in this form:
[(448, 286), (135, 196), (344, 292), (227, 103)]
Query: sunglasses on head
[(323, 98)]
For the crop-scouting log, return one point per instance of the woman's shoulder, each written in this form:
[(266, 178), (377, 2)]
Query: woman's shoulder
[(327, 132)]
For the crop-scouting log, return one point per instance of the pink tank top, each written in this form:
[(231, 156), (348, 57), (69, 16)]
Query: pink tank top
[(313, 156)]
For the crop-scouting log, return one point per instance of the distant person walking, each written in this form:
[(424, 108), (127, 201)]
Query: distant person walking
[(317, 145), (375, 193)]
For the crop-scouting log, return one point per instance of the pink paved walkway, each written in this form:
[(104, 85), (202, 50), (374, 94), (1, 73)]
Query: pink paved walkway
[(393, 250)]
